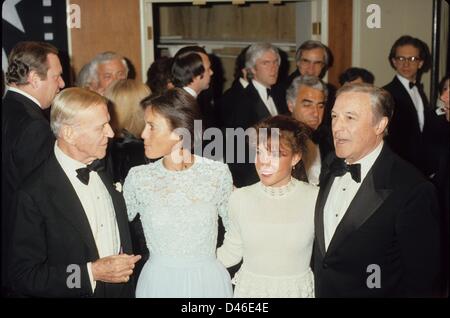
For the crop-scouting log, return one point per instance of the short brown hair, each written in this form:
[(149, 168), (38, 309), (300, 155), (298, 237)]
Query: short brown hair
[(179, 108), (26, 57)]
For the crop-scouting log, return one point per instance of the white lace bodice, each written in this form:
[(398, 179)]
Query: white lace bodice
[(179, 209)]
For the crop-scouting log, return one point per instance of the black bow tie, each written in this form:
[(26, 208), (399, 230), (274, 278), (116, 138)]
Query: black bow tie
[(83, 173), (411, 84), (269, 93), (339, 168)]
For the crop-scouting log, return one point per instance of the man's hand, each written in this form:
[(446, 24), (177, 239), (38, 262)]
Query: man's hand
[(114, 268)]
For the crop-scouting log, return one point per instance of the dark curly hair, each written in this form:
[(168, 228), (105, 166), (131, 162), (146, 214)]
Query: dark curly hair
[(26, 57)]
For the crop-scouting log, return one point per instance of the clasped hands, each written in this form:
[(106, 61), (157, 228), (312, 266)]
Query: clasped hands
[(114, 268)]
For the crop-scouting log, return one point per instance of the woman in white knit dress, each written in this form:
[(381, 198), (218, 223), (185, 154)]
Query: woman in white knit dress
[(272, 222)]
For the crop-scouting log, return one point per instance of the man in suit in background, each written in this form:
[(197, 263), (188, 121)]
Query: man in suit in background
[(102, 71), (33, 78), (70, 235), (306, 98), (313, 58), (413, 120), (259, 101), (376, 221)]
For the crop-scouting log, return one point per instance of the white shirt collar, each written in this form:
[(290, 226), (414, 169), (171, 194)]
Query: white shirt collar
[(368, 161), (405, 82), (190, 91), (262, 90), (243, 82), (68, 164), (21, 92)]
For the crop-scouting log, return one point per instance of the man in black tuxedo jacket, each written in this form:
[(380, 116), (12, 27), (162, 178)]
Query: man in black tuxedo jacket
[(70, 235), (376, 219), (306, 98), (33, 78), (261, 99), (413, 122)]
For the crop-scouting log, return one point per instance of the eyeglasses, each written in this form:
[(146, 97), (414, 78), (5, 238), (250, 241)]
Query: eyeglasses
[(411, 59), (309, 62)]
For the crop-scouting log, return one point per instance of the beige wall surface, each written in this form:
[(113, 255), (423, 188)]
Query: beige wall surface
[(399, 17)]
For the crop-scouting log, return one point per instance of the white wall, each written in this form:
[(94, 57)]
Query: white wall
[(400, 17)]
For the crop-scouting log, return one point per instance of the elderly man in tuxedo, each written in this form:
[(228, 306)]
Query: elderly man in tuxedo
[(306, 98), (376, 222), (70, 235), (33, 78)]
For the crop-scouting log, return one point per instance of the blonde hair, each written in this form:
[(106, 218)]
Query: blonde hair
[(126, 112), (69, 103)]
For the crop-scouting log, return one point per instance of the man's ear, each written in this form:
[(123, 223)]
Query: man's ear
[(68, 134), (290, 106), (33, 79), (296, 158), (381, 126)]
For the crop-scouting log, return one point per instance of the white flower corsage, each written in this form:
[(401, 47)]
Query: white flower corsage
[(118, 186)]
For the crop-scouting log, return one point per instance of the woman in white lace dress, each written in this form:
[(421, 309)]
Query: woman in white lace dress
[(179, 198), (272, 222)]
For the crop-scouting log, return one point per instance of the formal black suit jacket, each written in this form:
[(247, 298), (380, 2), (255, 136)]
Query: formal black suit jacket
[(391, 222), (227, 104), (247, 112), (27, 141), (51, 232), (405, 137)]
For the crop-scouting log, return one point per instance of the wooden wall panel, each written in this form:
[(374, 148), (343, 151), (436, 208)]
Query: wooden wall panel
[(107, 25), (340, 37)]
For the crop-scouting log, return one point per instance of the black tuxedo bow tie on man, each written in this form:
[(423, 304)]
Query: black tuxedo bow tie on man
[(340, 167), (83, 173), (381, 237)]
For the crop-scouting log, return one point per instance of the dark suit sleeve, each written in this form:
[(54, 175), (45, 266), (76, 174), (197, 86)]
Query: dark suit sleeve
[(33, 147), (418, 234), (30, 272)]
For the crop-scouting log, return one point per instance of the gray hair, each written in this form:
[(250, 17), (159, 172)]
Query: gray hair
[(311, 45), (255, 51), (91, 75), (84, 76), (381, 101), (305, 80)]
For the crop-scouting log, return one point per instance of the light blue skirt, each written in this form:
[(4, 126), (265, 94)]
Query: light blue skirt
[(182, 277)]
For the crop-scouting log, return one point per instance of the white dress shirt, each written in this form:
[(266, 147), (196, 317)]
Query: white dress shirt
[(262, 91), (341, 194), (243, 82), (98, 206), (415, 97), (21, 92), (190, 91)]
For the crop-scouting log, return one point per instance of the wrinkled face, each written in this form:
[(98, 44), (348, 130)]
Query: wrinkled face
[(159, 138), (205, 78), (109, 72), (405, 67), (266, 69), (91, 133), (354, 132), (309, 106), (47, 89), (274, 163), (311, 62)]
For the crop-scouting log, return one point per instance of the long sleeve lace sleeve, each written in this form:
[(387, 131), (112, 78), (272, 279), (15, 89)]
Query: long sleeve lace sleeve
[(230, 253), (129, 194), (226, 187)]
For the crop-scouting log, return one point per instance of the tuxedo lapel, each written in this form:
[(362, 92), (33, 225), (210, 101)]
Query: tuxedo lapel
[(261, 111), (119, 210), (318, 219), (66, 201), (372, 193)]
